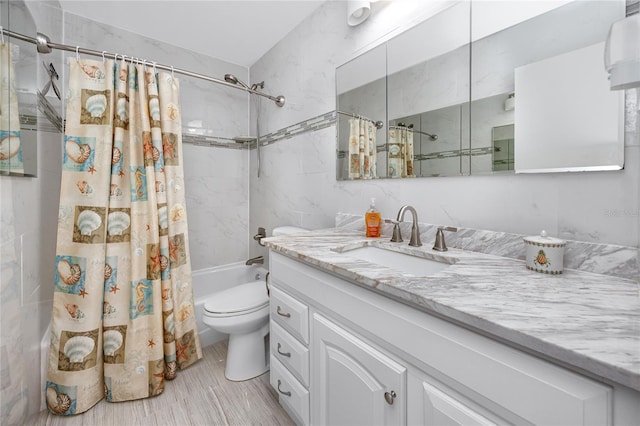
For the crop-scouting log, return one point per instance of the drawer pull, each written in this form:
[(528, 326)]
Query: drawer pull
[(389, 397), (279, 390), (287, 354), (282, 314)]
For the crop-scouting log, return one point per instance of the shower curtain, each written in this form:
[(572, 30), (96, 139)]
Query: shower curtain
[(362, 149), (123, 315), (400, 153)]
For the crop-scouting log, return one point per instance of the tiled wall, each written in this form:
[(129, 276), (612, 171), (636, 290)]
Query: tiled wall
[(298, 184)]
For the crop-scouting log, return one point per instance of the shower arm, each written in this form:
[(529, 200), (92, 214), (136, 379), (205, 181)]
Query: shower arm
[(45, 45)]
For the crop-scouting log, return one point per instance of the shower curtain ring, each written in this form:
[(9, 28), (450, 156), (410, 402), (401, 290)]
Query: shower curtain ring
[(77, 54), (154, 68), (172, 74), (2, 31), (103, 52)]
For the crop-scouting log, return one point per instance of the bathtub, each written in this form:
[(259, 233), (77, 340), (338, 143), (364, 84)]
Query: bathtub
[(210, 280)]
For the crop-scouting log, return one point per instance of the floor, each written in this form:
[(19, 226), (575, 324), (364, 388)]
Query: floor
[(200, 395)]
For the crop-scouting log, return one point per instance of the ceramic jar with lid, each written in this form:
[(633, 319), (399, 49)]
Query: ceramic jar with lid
[(545, 254)]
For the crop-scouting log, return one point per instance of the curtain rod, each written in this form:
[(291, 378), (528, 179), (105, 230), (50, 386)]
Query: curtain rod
[(401, 127), (379, 124), (44, 45)]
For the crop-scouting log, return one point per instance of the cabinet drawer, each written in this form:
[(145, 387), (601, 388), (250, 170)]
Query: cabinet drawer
[(291, 353), (293, 396), (291, 314)]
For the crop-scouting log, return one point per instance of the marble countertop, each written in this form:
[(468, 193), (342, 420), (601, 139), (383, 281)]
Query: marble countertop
[(588, 321)]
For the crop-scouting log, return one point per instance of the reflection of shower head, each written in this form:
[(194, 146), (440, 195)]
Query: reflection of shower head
[(230, 78)]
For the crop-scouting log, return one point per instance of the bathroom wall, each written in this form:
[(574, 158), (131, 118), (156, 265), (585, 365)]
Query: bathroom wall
[(298, 184), (216, 182)]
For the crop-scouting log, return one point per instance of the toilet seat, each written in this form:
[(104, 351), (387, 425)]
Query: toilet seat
[(239, 300)]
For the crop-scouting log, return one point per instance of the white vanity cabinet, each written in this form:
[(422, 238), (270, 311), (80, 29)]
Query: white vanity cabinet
[(374, 360)]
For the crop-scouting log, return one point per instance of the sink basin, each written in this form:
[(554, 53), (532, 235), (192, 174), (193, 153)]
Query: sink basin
[(403, 262)]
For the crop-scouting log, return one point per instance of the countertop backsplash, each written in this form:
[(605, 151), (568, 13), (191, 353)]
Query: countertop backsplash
[(606, 259)]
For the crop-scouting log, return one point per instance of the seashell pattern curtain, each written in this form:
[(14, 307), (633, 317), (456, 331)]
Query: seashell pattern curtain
[(123, 317), (10, 145), (401, 153), (362, 149)]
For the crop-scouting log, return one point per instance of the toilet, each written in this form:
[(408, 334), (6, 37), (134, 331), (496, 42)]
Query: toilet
[(242, 312)]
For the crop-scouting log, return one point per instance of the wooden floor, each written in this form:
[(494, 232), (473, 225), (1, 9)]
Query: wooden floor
[(200, 395)]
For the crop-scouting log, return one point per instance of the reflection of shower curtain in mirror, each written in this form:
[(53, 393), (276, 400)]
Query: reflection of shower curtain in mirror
[(10, 145), (400, 153), (362, 149), (123, 315)]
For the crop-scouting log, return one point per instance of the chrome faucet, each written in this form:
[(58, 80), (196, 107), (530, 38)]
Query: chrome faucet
[(254, 260), (415, 231)]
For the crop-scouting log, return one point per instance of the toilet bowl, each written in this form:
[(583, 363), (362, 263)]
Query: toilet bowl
[(242, 312)]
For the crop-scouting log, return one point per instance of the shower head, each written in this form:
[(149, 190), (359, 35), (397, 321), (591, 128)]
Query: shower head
[(230, 78), (256, 86)]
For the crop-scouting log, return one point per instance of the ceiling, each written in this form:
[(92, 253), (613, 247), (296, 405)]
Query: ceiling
[(237, 31)]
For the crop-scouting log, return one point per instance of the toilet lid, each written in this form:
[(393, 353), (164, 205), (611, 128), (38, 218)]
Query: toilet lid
[(243, 297)]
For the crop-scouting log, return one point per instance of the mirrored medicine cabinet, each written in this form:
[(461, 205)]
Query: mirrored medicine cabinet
[(484, 88)]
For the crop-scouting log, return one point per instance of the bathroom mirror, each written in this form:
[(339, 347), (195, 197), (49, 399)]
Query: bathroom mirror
[(458, 97), (428, 92), (18, 93), (546, 77), (361, 87)]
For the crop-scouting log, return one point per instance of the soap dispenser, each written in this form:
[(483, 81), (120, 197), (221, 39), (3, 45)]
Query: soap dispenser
[(372, 220)]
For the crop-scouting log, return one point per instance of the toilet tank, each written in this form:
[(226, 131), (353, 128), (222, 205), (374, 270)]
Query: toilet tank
[(287, 230)]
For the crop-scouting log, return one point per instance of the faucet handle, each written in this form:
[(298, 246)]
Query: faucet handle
[(260, 235), (440, 244), (448, 228), (396, 236)]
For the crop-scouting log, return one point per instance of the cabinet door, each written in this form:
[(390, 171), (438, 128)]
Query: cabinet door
[(353, 383), (441, 409)]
